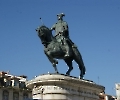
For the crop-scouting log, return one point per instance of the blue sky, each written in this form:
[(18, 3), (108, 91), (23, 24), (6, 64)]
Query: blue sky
[(94, 27)]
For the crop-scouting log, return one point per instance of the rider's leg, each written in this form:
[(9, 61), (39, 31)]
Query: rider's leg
[(68, 52), (72, 43)]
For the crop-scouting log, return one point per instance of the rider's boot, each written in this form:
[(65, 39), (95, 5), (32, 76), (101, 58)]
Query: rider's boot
[(67, 54)]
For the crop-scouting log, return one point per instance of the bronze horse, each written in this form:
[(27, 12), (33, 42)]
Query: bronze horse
[(54, 49)]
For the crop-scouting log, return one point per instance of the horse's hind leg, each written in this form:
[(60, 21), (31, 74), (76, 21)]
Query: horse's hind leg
[(69, 63), (78, 59), (81, 66)]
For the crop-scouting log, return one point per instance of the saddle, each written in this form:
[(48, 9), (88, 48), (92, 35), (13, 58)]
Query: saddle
[(60, 37)]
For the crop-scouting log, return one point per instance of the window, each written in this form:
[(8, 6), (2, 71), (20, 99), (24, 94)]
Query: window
[(25, 96), (16, 83), (9, 83), (5, 95), (22, 84), (2, 81)]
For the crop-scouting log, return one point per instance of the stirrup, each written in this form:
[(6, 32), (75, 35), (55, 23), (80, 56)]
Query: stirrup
[(66, 55)]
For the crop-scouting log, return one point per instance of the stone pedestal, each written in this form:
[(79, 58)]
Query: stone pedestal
[(60, 86), (1, 93)]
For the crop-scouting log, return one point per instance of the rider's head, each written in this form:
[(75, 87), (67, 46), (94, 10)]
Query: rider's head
[(60, 16)]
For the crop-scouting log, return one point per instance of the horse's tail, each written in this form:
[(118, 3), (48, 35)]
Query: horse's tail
[(78, 59)]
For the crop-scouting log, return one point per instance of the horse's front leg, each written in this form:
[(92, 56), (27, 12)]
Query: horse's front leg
[(52, 60)]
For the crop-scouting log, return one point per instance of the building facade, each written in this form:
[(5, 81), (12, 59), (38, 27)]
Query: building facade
[(104, 96), (62, 87), (13, 87), (117, 86)]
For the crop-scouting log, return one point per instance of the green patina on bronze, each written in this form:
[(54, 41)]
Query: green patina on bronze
[(60, 46)]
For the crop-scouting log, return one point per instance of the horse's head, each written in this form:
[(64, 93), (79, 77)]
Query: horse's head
[(44, 34)]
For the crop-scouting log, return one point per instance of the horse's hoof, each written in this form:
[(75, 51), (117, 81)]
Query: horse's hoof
[(54, 65), (56, 62), (68, 74), (80, 77), (57, 72)]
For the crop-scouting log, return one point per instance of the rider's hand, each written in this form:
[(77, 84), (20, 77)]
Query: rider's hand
[(62, 31)]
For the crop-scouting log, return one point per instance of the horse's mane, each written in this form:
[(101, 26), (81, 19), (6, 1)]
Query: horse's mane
[(44, 27)]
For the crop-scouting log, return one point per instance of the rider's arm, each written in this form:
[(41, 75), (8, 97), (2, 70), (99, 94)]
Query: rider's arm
[(66, 26), (66, 29), (53, 27)]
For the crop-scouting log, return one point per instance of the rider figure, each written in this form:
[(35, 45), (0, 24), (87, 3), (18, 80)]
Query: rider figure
[(62, 27)]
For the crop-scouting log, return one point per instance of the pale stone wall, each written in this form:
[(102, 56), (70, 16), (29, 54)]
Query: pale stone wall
[(10, 84), (117, 85), (11, 91), (64, 92), (0, 94), (57, 86), (10, 94)]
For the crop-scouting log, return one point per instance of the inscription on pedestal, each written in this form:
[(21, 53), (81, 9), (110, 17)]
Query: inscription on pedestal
[(73, 90)]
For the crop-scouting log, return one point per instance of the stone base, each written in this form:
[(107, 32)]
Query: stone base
[(62, 87)]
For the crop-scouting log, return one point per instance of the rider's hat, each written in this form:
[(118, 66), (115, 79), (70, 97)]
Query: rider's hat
[(60, 16)]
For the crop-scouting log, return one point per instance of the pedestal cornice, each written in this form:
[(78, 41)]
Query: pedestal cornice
[(63, 79)]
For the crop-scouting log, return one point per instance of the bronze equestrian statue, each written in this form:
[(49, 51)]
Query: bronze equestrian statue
[(62, 27), (60, 46)]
